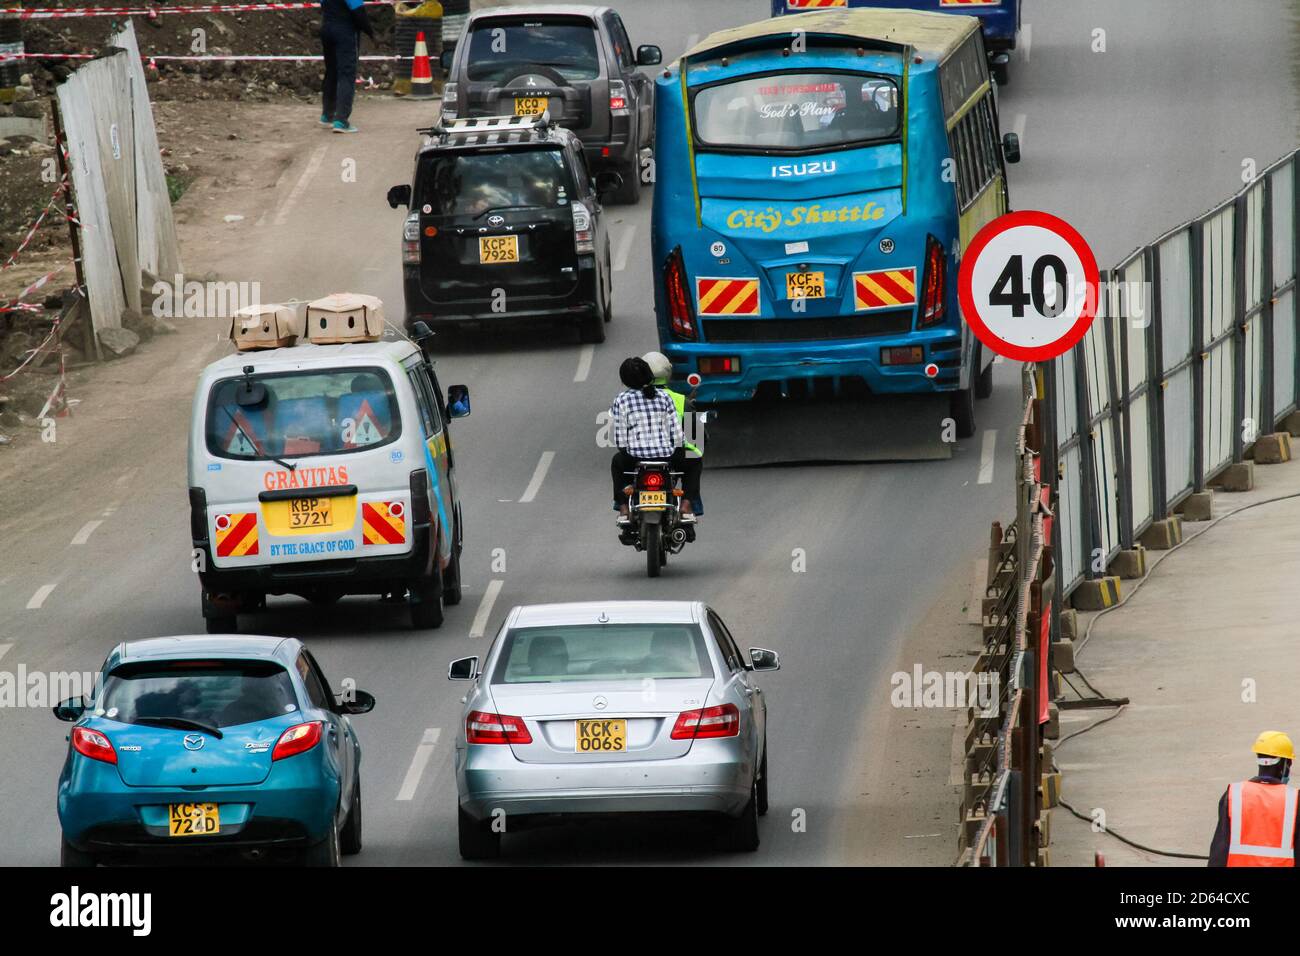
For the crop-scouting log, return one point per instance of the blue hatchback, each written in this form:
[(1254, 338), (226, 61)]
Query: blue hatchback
[(230, 744)]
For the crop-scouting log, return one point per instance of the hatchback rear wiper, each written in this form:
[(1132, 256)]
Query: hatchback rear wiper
[(181, 723)]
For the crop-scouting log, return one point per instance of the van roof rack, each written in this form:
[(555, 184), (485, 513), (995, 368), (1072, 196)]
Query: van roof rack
[(489, 130)]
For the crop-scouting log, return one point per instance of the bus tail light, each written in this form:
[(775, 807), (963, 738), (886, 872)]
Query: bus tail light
[(681, 316), (720, 365), (934, 285)]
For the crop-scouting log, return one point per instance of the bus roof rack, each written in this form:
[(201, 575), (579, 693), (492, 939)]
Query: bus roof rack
[(475, 130)]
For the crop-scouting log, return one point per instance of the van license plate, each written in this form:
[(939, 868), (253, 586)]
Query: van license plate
[(530, 105), (493, 250), (193, 819), (601, 736), (310, 513), (805, 285)]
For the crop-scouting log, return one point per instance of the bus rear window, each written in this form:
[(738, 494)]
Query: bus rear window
[(797, 111)]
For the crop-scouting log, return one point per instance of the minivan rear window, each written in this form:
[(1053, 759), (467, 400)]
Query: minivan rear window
[(797, 111), (589, 652), (476, 183), (500, 50), (293, 414), (214, 693)]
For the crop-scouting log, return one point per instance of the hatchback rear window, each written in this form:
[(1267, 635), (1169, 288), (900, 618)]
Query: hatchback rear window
[(587, 652), (499, 50), (291, 414), (212, 693), (474, 184)]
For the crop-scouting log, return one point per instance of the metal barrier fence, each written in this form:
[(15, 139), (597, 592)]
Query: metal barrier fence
[(1191, 358)]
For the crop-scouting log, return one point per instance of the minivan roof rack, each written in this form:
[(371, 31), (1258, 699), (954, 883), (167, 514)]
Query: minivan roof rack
[(475, 130)]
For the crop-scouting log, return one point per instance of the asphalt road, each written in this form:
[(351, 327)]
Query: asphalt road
[(1124, 144)]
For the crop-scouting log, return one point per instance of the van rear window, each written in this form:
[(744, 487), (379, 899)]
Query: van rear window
[(294, 414), (796, 111)]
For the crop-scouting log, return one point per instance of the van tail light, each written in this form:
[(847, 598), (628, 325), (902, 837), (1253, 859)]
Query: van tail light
[(449, 96), (482, 727), (681, 315), (93, 744), (198, 515), (934, 286), (618, 104), (420, 511), (297, 739), (411, 242), (584, 240), (721, 721)]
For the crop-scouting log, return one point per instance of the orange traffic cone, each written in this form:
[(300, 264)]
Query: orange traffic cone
[(421, 71)]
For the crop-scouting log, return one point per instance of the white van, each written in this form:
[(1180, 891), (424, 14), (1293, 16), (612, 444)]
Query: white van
[(325, 470)]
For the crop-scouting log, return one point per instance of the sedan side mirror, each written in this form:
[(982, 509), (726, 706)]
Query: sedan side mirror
[(466, 668), (70, 709), (764, 660), (361, 703), (458, 401), (608, 181), (1011, 147), (400, 196), (649, 55)]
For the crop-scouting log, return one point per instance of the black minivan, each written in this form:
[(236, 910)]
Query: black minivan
[(505, 223)]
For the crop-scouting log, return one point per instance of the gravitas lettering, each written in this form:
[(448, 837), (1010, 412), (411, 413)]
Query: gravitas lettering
[(305, 478), (74, 909)]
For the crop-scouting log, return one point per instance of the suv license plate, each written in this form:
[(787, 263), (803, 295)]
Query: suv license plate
[(530, 105)]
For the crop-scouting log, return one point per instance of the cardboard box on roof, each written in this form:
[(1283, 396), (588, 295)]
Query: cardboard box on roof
[(256, 327), (345, 317)]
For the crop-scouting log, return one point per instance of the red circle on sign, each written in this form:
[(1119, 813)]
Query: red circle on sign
[(966, 295), (223, 522)]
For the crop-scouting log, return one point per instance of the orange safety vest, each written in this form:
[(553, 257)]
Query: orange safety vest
[(1262, 822)]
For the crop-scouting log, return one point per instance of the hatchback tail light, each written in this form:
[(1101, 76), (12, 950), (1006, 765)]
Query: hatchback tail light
[(934, 286), (618, 104), (681, 315), (584, 239), (93, 744), (720, 721), (484, 728), (411, 242), (297, 739)]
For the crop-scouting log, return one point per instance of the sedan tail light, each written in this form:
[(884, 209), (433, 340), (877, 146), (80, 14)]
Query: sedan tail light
[(584, 239), (297, 739), (618, 104), (934, 286), (411, 242), (93, 744), (720, 721), (484, 728), (681, 315)]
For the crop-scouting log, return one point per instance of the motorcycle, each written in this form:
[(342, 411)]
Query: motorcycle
[(654, 506)]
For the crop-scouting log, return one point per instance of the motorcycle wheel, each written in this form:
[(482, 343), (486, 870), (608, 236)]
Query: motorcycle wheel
[(654, 546)]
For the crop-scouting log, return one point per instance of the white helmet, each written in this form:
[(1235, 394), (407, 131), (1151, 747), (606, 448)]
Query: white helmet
[(660, 367)]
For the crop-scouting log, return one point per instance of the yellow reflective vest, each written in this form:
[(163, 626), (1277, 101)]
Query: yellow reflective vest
[(680, 401)]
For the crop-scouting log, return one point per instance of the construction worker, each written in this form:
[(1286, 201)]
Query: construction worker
[(693, 468), (1258, 817)]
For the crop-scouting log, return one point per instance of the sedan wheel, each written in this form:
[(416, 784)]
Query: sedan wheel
[(741, 834), (478, 841)]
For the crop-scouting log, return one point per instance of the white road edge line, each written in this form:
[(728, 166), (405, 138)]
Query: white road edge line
[(987, 451), (87, 529), (419, 761), (584, 363), (5, 649), (300, 186), (484, 611), (39, 597), (539, 475), (624, 249)]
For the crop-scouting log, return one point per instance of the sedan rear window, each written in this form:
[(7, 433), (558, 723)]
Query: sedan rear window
[(499, 50), (474, 184), (588, 652), (212, 693)]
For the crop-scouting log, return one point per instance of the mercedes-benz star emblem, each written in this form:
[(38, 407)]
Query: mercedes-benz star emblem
[(194, 741), (600, 703)]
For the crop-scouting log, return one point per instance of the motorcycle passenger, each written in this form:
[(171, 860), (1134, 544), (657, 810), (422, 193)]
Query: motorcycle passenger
[(662, 370), (645, 427)]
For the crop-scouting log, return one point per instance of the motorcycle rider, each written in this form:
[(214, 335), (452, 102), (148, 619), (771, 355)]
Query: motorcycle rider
[(644, 426), (662, 370)]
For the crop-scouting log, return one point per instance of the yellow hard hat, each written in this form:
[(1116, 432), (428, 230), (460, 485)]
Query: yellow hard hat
[(1274, 743)]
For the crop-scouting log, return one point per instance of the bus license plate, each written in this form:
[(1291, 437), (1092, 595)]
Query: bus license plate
[(805, 285), (310, 513), (193, 819), (493, 250), (601, 736), (653, 499), (530, 105)]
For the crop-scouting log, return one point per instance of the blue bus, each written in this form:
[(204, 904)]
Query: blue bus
[(815, 192), (999, 18)]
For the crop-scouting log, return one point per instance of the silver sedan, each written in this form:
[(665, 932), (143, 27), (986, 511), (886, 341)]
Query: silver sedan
[(608, 708)]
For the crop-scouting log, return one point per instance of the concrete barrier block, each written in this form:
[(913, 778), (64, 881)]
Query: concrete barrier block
[(1052, 729), (1273, 449), (1097, 594), (1130, 563), (1199, 506), (1069, 629), (1062, 656), (1291, 424), (1163, 534), (1239, 476), (1050, 788)]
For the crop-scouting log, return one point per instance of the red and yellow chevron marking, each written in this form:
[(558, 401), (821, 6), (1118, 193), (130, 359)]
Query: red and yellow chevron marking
[(383, 522), (813, 4), (236, 534), (887, 289), (727, 296)]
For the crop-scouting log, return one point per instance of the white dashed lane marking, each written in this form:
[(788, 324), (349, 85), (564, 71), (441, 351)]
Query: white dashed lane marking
[(419, 761), (584, 363), (539, 475), (986, 457), (87, 529), (624, 249), (484, 612), (39, 597)]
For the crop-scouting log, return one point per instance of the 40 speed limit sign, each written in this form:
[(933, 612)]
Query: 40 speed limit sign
[(1028, 286)]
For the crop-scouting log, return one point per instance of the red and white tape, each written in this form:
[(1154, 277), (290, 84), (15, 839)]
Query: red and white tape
[(74, 12), (35, 226), (234, 57)]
